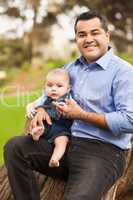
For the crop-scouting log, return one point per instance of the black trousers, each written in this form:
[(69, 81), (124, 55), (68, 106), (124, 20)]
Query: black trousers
[(90, 167)]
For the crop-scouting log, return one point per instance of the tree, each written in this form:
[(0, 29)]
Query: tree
[(119, 14)]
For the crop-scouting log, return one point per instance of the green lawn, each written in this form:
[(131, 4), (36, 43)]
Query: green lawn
[(12, 117)]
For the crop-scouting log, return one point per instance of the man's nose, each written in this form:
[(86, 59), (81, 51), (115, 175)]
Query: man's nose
[(89, 38)]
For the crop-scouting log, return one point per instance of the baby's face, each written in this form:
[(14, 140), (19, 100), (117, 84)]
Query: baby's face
[(56, 86)]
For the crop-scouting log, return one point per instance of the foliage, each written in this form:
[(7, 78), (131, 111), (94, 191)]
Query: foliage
[(127, 57), (13, 53), (119, 13), (54, 63)]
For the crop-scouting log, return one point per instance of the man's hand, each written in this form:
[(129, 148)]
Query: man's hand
[(73, 111), (40, 117), (37, 132), (69, 109)]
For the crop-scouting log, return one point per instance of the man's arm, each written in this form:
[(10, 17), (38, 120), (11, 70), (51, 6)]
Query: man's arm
[(120, 121), (40, 117), (73, 111), (95, 118)]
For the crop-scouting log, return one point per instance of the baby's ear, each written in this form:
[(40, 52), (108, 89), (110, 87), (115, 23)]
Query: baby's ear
[(69, 88)]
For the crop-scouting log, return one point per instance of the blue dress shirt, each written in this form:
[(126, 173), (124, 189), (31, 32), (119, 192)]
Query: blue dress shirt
[(104, 86)]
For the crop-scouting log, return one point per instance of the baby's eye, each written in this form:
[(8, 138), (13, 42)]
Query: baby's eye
[(59, 85), (49, 85)]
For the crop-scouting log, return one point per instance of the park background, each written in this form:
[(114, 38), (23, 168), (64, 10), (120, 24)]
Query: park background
[(37, 35)]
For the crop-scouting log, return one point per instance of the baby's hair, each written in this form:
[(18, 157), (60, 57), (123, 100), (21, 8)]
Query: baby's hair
[(60, 71)]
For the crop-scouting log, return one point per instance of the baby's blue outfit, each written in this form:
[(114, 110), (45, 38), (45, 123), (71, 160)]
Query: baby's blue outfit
[(60, 125)]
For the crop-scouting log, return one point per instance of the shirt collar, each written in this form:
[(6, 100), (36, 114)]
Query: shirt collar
[(102, 61), (105, 59)]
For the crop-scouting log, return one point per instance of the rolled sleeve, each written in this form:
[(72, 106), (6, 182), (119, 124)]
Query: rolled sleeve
[(119, 123), (114, 121), (120, 120)]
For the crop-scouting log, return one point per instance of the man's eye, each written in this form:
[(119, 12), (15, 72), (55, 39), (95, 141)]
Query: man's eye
[(96, 33), (81, 35)]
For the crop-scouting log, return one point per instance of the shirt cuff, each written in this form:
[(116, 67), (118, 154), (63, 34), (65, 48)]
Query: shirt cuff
[(114, 121)]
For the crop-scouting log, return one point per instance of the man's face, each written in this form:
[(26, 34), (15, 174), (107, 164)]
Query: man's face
[(91, 39)]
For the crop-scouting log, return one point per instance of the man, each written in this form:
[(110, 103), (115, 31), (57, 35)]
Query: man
[(103, 122)]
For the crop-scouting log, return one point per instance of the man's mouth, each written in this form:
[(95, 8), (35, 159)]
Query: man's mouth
[(89, 46)]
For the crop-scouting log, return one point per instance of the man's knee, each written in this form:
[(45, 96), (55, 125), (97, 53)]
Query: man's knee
[(12, 146)]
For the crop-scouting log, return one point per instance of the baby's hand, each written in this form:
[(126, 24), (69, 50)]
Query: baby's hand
[(37, 132), (30, 110), (61, 104)]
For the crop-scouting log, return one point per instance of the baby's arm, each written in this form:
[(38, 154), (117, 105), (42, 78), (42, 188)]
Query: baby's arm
[(31, 107)]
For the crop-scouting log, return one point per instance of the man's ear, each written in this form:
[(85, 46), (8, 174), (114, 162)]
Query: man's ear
[(108, 35)]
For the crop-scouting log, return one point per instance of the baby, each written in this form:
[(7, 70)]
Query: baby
[(57, 88)]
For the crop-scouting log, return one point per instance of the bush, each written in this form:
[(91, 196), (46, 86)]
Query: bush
[(14, 53), (127, 57)]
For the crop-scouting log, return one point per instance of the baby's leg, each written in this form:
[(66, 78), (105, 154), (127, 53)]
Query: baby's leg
[(59, 150)]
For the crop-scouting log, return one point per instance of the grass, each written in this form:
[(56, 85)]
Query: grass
[(12, 117)]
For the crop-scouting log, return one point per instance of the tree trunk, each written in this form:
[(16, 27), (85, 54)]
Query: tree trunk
[(53, 189), (125, 184), (50, 189)]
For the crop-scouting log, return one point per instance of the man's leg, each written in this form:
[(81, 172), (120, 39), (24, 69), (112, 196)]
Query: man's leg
[(22, 155), (93, 169)]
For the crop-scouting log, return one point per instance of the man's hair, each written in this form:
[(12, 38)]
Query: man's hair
[(90, 14)]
